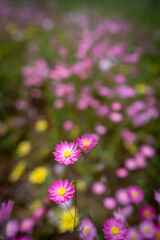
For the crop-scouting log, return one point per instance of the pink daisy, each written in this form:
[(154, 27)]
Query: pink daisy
[(121, 173), (147, 229), (147, 212), (109, 202), (135, 194), (86, 143), (114, 229), (87, 230), (66, 153), (27, 224), (61, 191)]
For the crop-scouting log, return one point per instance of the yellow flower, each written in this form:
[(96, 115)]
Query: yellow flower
[(67, 221), (37, 203), (38, 175), (41, 125), (23, 148), (141, 88), (17, 171)]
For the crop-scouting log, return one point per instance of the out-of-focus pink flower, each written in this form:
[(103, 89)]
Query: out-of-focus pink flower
[(147, 213), (157, 196), (147, 229), (122, 196), (130, 164), (120, 79), (11, 228), (125, 91), (119, 215), (27, 225), (98, 188), (140, 160), (109, 203), (58, 103), (128, 136), (147, 150), (115, 117), (39, 212), (116, 106), (135, 194), (68, 125), (121, 173), (100, 129), (102, 111), (88, 230), (133, 234)]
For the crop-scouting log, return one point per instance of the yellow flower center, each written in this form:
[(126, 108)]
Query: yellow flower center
[(26, 224), (9, 228), (109, 202), (86, 230), (61, 191), (134, 194), (134, 236), (115, 230), (147, 229), (86, 144), (157, 235), (67, 154), (147, 213)]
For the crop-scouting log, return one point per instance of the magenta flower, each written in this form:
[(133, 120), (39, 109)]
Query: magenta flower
[(98, 188), (115, 117), (121, 173), (140, 160), (109, 202), (39, 212), (119, 215), (147, 213), (5, 211), (27, 224), (66, 153), (133, 234), (130, 164), (61, 191), (157, 196), (88, 230), (135, 194), (147, 229), (86, 143), (11, 228), (122, 196), (114, 229), (147, 150), (68, 125), (157, 232), (127, 210)]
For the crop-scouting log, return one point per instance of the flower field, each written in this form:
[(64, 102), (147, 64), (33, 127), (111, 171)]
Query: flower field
[(79, 124)]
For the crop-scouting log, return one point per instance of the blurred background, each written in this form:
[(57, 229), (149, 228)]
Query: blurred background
[(69, 68)]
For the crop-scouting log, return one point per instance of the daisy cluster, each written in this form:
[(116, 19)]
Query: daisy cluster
[(67, 153)]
